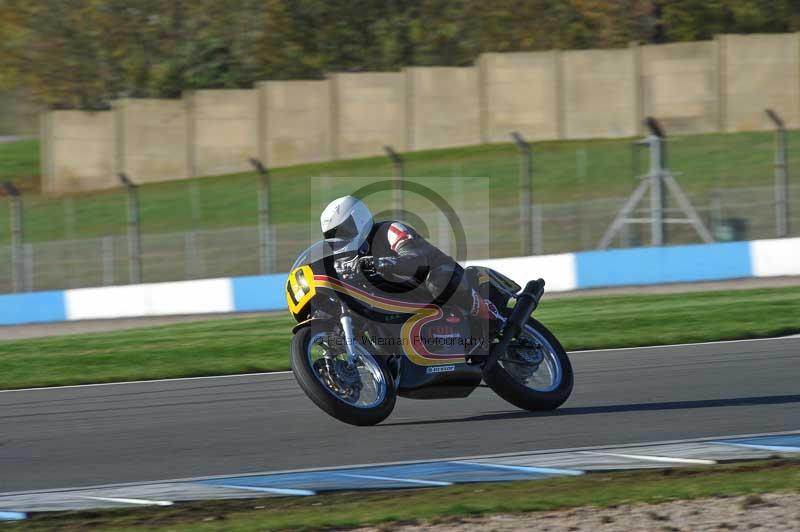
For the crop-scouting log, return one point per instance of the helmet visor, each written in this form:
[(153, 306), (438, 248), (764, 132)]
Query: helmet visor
[(346, 230)]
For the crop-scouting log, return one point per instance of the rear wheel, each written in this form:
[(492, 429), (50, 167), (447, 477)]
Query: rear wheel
[(535, 373), (361, 394)]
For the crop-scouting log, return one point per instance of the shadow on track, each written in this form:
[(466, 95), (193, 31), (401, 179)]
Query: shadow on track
[(609, 409)]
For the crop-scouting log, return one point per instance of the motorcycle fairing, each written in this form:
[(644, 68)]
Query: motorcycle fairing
[(416, 315)]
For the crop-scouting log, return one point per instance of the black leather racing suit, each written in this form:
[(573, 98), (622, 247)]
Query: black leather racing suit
[(400, 252)]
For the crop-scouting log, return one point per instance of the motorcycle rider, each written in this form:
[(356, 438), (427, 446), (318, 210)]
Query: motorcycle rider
[(396, 252)]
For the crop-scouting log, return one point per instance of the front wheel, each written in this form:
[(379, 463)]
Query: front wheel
[(361, 394), (535, 373)]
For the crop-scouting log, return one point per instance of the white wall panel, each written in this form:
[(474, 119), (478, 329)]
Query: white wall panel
[(159, 299), (558, 271), (770, 258)]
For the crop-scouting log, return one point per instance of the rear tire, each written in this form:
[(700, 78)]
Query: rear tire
[(510, 389), (326, 399)]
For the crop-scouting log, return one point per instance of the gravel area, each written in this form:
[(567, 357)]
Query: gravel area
[(773, 512)]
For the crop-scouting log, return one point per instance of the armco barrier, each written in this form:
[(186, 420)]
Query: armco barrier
[(571, 271)]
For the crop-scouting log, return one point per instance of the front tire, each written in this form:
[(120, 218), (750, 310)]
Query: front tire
[(312, 382), (505, 383)]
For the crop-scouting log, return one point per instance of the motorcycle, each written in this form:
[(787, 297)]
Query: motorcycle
[(357, 345)]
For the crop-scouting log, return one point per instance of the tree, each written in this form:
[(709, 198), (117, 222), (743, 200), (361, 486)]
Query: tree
[(85, 53)]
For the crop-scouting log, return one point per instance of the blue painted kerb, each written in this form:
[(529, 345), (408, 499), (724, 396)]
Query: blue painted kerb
[(670, 264)]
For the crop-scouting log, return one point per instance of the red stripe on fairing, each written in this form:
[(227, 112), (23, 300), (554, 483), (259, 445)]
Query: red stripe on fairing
[(371, 296)]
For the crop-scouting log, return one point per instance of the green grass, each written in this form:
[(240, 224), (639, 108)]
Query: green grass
[(564, 171), (439, 504), (240, 345), (19, 162)]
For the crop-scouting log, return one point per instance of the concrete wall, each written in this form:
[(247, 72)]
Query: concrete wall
[(760, 71), (720, 85), (152, 139), (679, 85), (224, 130), (600, 93), (77, 150), (369, 112), (295, 122), (444, 107), (521, 93)]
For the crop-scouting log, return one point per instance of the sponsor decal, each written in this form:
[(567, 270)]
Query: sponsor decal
[(440, 369)]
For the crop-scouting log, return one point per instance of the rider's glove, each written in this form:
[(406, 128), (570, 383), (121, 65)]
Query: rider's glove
[(347, 267), (366, 264), (378, 265)]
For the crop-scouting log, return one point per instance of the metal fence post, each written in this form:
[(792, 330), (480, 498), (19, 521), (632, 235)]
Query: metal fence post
[(537, 225), (526, 193), (715, 205), (399, 175), (657, 164), (265, 233), (17, 236), (782, 223), (134, 231), (107, 251), (27, 260)]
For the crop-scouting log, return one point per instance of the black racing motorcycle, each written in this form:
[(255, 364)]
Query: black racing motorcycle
[(359, 344)]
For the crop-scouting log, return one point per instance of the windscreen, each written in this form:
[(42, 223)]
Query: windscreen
[(322, 249)]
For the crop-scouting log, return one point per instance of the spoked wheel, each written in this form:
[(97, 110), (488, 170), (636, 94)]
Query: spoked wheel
[(535, 372), (359, 394)]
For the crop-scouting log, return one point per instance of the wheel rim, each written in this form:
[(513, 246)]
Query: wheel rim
[(361, 386), (538, 368)]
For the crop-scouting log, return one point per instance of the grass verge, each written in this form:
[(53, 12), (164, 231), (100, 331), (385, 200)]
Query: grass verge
[(242, 345), (349, 509)]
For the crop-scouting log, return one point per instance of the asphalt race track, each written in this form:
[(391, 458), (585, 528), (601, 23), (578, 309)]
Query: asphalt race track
[(81, 436)]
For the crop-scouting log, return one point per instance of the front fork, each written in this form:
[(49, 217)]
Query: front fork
[(349, 340)]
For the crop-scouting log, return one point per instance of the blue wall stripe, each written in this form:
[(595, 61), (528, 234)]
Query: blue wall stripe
[(259, 292), (13, 516), (32, 308), (671, 264)]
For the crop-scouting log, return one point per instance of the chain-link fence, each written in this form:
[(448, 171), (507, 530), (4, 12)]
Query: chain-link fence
[(731, 214), (203, 228)]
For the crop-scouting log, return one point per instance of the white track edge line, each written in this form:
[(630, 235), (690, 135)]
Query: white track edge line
[(650, 458), (124, 500), (396, 479), (276, 491), (528, 469)]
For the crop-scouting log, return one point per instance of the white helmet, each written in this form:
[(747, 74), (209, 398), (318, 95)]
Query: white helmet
[(347, 218)]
